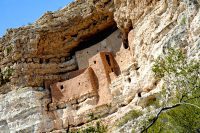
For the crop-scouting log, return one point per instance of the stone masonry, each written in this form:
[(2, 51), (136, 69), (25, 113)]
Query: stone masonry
[(94, 81)]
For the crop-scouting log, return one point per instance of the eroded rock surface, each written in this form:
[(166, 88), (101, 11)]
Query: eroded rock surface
[(57, 47), (31, 50), (25, 110)]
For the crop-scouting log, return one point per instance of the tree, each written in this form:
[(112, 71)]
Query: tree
[(180, 110)]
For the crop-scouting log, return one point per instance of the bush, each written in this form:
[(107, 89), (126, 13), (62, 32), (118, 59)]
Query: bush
[(183, 20), (9, 50), (98, 128), (133, 114), (180, 94), (5, 75), (183, 119)]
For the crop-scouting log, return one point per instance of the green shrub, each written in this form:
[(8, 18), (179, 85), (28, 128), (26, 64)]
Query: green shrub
[(9, 50), (183, 119), (133, 114), (181, 87), (98, 128), (93, 117), (153, 102), (183, 20), (5, 75)]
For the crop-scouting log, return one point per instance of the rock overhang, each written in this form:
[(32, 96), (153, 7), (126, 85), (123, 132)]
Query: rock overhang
[(56, 33)]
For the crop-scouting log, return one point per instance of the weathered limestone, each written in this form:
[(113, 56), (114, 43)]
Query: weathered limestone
[(25, 110), (161, 25), (53, 49)]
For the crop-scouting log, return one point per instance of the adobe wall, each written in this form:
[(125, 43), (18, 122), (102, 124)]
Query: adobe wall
[(74, 88), (101, 69), (62, 77), (72, 74), (111, 44)]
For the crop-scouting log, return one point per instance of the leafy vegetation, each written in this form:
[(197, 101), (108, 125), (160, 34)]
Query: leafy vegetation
[(153, 102), (92, 116), (182, 119), (133, 114), (183, 20), (5, 75), (9, 49), (180, 110), (98, 128)]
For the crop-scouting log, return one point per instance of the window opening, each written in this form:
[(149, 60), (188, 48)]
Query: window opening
[(108, 60), (61, 87), (41, 60)]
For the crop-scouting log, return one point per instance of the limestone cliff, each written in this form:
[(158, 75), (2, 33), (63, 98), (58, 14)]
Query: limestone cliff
[(91, 61)]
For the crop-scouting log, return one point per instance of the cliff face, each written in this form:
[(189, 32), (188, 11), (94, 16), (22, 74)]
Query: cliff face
[(59, 46), (50, 41)]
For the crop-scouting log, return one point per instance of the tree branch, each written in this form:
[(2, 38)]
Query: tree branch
[(156, 117), (167, 108)]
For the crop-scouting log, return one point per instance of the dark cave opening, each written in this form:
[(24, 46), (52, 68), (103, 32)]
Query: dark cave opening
[(94, 39)]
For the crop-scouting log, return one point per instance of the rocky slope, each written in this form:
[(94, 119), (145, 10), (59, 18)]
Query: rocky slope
[(45, 50)]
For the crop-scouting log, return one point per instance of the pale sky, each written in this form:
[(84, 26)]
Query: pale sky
[(16, 13)]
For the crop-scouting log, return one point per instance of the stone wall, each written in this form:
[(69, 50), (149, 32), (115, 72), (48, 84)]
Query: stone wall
[(75, 88), (93, 81), (102, 68)]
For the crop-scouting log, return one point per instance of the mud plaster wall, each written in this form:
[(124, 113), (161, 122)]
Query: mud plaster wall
[(111, 44), (101, 68), (63, 77), (75, 87)]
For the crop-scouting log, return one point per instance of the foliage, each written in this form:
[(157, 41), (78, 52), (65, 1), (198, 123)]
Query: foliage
[(180, 75), (153, 102), (183, 20), (92, 116), (5, 75), (133, 114), (182, 119), (98, 128), (181, 93), (9, 49)]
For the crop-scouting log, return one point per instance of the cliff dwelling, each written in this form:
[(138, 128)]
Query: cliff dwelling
[(93, 81), (98, 65), (103, 66)]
